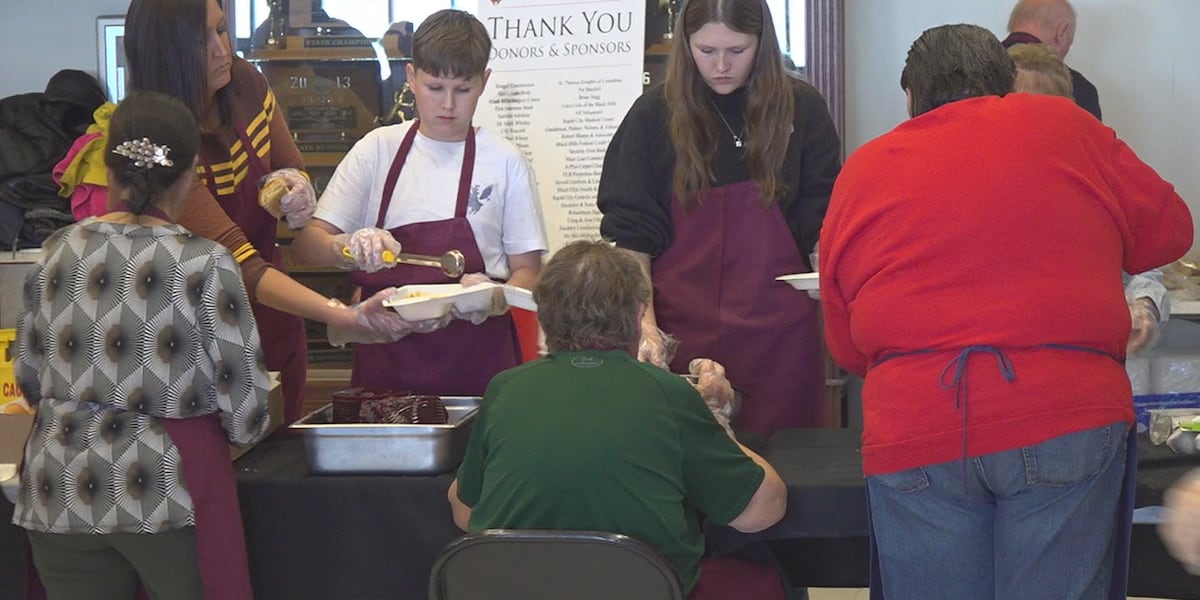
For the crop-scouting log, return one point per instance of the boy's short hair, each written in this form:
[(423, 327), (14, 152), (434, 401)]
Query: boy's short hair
[(451, 43), (1040, 70)]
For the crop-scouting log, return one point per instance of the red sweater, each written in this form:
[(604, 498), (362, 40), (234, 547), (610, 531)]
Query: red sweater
[(1002, 222)]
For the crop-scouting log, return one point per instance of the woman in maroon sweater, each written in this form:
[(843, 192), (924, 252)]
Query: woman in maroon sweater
[(976, 284)]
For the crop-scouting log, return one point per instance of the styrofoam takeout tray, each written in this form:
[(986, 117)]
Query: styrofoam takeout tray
[(432, 301), (519, 297), (424, 302)]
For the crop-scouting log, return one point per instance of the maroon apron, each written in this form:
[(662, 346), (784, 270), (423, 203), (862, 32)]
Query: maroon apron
[(725, 577), (208, 473), (284, 341), (461, 359), (220, 542), (715, 290)]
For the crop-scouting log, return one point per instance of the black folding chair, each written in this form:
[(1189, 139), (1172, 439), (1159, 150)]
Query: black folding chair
[(503, 564)]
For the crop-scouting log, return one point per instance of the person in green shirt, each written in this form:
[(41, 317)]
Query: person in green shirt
[(589, 438)]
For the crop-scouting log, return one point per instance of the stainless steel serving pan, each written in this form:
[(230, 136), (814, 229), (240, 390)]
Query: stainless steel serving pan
[(369, 448)]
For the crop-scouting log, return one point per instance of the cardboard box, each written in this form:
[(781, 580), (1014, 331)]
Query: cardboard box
[(13, 431)]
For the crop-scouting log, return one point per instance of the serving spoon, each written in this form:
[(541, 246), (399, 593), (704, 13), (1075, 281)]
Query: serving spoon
[(452, 263)]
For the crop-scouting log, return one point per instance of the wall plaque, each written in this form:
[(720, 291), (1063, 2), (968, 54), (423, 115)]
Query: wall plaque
[(329, 104)]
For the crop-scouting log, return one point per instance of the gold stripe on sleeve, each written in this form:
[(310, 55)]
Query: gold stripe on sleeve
[(244, 252)]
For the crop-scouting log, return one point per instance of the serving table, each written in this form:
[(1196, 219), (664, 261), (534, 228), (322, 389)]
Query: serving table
[(376, 537), (344, 536)]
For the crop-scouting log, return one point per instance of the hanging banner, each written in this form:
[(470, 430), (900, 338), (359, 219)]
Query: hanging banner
[(564, 73)]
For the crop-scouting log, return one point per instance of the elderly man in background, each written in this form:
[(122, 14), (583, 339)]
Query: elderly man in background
[(1052, 22)]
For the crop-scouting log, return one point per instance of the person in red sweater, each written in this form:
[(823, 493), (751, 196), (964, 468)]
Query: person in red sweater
[(976, 285)]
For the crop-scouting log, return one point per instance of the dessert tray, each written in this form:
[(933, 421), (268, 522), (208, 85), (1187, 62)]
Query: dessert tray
[(384, 448)]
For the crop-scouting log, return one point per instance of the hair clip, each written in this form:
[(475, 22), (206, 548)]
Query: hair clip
[(144, 153)]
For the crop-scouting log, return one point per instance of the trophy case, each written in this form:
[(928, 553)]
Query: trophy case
[(333, 82)]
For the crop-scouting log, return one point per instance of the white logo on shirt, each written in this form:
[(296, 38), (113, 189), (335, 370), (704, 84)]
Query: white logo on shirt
[(586, 362)]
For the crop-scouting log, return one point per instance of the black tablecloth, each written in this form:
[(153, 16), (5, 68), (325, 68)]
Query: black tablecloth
[(344, 537), (822, 540), (362, 538)]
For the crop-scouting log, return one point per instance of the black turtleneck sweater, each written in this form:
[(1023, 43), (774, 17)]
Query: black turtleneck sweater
[(635, 185)]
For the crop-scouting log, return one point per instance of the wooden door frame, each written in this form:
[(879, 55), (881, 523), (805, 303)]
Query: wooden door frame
[(825, 48)]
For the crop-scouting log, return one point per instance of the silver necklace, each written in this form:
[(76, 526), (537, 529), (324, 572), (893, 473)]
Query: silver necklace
[(737, 139)]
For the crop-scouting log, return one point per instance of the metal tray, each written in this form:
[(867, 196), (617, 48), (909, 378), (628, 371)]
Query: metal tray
[(370, 448)]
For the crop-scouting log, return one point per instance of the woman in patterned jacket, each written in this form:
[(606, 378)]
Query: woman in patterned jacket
[(138, 345)]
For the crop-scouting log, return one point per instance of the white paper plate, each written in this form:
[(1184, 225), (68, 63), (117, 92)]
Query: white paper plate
[(801, 281), (424, 302)]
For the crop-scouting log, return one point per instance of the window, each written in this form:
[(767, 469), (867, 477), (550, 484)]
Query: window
[(790, 26), (370, 18)]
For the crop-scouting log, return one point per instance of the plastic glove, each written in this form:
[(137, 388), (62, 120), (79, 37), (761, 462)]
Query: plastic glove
[(656, 346), (471, 279), (300, 201), (366, 248), (1145, 332), (375, 323), (497, 306), (713, 386), (1180, 532), (723, 421), (814, 259)]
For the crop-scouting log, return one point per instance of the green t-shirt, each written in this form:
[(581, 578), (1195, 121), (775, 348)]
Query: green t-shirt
[(598, 441)]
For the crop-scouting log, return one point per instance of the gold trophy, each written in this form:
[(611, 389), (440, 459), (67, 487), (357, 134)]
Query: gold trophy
[(277, 22), (403, 107), (672, 7)]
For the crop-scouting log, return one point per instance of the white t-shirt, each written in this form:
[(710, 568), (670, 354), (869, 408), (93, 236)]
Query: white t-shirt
[(502, 207)]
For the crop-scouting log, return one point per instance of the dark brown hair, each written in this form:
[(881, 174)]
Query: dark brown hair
[(167, 51), (769, 107), (451, 43), (163, 122), (954, 62)]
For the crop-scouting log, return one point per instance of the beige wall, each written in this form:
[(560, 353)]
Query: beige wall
[(39, 37), (1143, 55)]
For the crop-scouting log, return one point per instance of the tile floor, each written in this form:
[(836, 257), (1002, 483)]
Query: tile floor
[(837, 594), (860, 594)]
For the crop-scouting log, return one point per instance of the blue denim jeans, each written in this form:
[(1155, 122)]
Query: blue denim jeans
[(1029, 523)]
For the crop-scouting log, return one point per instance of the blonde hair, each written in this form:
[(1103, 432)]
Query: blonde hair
[(1040, 70)]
